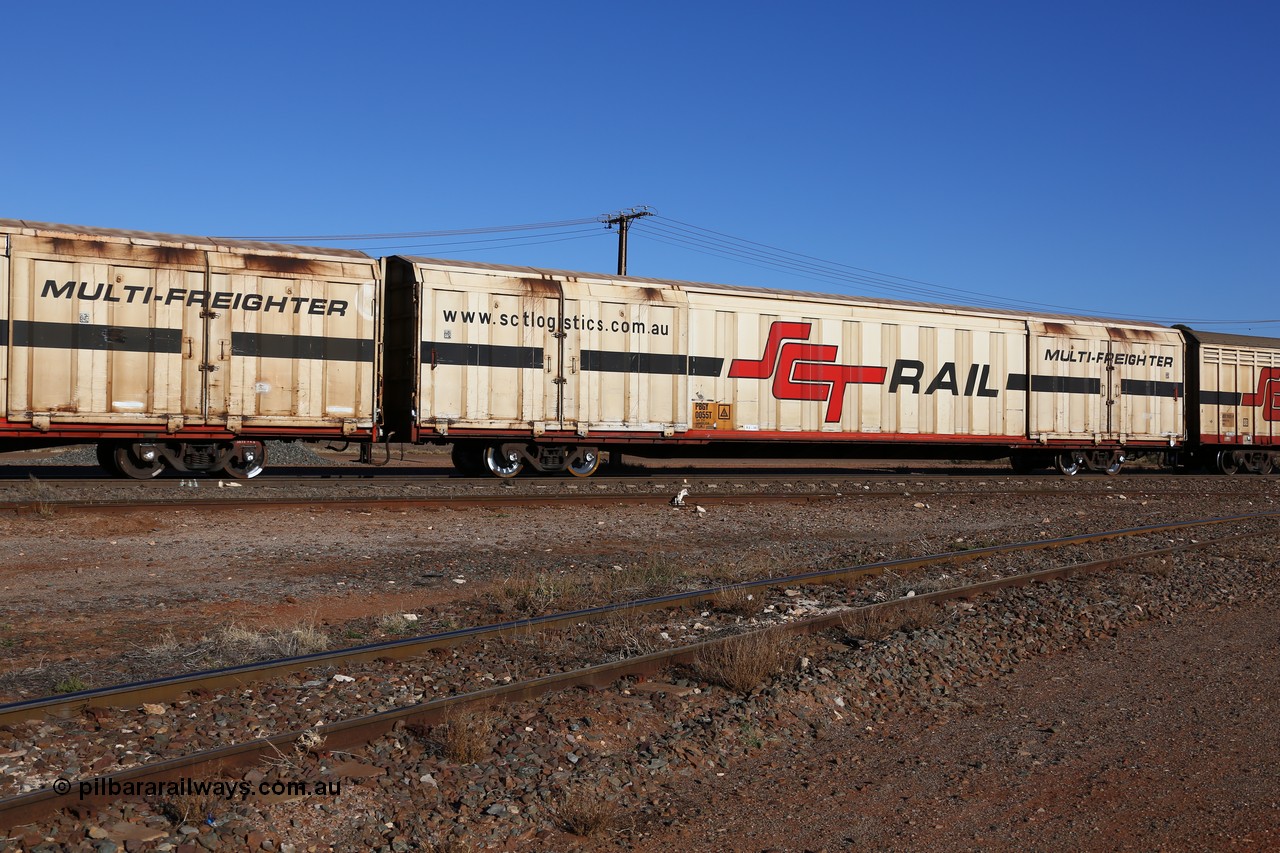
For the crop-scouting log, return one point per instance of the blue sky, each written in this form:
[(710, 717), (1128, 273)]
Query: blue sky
[(1110, 158)]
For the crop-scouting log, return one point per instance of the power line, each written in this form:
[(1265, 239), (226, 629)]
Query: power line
[(830, 271), (415, 235), (432, 246), (595, 232), (762, 255), (711, 242)]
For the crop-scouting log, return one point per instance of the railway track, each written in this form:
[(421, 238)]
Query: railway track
[(348, 732), (416, 491)]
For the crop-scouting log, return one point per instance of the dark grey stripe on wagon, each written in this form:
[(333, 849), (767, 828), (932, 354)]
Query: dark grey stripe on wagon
[(481, 355), (1055, 384), (37, 333), (4, 333), (1220, 398), (260, 345), (604, 361), (1150, 388)]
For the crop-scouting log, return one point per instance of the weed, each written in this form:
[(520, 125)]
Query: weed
[(916, 616), (749, 734), (658, 574), (626, 633), (868, 623), (189, 808), (235, 643), (71, 684), (871, 624), (736, 600), (743, 663), (395, 624), (536, 594), (43, 499), (586, 812), (463, 737)]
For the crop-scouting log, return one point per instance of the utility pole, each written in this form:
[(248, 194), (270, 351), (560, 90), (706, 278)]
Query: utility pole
[(623, 220)]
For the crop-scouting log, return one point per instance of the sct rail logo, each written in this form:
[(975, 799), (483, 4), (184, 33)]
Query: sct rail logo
[(1267, 396), (803, 371)]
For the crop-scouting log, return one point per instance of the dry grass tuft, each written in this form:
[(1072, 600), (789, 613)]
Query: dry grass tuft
[(463, 737), (916, 616), (743, 663), (536, 594), (395, 624), (235, 643), (191, 809), (586, 813), (872, 624), (737, 601), (43, 498), (656, 575), (627, 633)]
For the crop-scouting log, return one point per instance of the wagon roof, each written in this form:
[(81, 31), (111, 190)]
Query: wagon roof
[(1223, 339), (49, 229), (792, 294)]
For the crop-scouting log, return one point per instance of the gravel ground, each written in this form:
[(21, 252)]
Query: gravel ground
[(1049, 698)]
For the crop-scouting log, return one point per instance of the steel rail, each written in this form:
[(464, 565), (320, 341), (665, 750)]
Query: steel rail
[(44, 504), (172, 687), (392, 502), (31, 806)]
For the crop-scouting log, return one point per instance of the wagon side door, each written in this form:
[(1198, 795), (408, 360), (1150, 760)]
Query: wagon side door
[(489, 355), (628, 364), (1067, 396), (1146, 384), (100, 340)]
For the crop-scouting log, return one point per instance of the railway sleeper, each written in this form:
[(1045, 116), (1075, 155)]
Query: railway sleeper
[(145, 460)]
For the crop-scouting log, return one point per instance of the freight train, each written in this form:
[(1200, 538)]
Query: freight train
[(189, 353)]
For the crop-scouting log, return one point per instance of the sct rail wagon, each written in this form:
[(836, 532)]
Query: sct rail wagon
[(189, 353)]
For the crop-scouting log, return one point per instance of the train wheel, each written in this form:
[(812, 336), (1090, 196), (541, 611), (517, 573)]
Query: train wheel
[(503, 461), (584, 462), (1228, 462), (138, 463), (1261, 464), (107, 459), (1114, 464), (247, 460), (1071, 463)]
